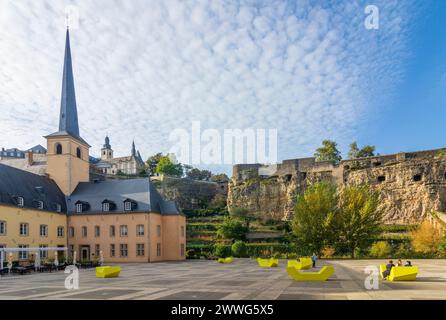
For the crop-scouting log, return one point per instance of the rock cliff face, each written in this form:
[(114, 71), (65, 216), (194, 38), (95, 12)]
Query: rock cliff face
[(411, 185)]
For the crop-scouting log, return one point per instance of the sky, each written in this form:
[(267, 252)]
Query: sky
[(310, 69)]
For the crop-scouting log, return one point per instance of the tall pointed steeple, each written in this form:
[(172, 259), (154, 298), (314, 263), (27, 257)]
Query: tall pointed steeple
[(133, 149), (68, 110)]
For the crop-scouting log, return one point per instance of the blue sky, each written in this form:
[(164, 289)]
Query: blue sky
[(309, 69)]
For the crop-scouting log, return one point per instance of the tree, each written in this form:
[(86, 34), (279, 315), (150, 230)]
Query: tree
[(426, 238), (380, 249), (221, 177), (359, 218), (232, 229), (152, 162), (364, 152), (167, 167), (328, 151), (239, 249), (197, 174), (313, 216)]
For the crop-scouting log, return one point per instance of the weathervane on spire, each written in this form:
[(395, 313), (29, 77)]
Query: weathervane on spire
[(71, 17)]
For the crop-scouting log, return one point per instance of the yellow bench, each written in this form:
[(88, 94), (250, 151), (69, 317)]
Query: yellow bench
[(400, 273), (321, 275), (226, 260), (268, 263), (303, 263), (107, 272)]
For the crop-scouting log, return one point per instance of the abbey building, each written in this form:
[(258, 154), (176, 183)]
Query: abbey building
[(122, 220)]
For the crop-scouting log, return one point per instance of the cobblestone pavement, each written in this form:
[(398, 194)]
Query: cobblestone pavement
[(243, 279)]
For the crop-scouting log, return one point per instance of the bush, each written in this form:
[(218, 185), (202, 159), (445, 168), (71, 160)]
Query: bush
[(426, 238), (380, 249), (239, 249), (222, 251), (328, 252)]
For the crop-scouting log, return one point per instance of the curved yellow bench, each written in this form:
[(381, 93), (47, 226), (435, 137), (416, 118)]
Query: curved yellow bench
[(226, 260), (107, 272), (321, 275), (302, 264), (268, 263), (400, 273)]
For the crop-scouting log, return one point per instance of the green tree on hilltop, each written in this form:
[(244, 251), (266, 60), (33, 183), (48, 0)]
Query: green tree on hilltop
[(166, 167), (364, 152), (328, 151)]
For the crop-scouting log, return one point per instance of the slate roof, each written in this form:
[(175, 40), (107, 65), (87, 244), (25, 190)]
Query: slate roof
[(141, 191), (32, 187)]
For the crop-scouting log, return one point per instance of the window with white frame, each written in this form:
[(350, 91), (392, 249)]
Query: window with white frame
[(106, 207), (97, 250), (84, 231), (23, 255), (123, 231), (112, 250), (58, 207), (43, 230), (112, 231), (60, 231), (43, 253), (124, 250), (40, 205), (97, 231), (24, 229), (2, 228), (158, 249), (128, 206), (140, 230), (140, 249), (79, 207), (20, 201)]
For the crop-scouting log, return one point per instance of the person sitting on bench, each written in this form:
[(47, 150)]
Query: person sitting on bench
[(389, 267)]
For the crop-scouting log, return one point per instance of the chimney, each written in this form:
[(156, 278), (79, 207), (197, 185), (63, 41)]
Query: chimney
[(29, 157)]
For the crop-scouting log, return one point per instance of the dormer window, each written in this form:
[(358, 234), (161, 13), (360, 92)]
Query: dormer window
[(58, 207), (82, 206), (20, 201), (129, 205), (108, 205), (39, 205)]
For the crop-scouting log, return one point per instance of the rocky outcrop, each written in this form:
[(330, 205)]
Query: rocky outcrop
[(411, 185)]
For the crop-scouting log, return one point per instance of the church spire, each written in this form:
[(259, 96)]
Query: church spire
[(133, 149), (68, 121)]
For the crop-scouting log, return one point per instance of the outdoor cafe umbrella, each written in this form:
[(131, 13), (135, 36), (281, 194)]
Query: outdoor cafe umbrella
[(37, 260), (56, 261), (10, 258)]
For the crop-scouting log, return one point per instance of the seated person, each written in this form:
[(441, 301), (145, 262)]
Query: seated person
[(408, 264), (400, 263), (389, 267)]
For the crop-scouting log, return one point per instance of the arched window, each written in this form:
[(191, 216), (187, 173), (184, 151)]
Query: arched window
[(58, 148), (78, 152)]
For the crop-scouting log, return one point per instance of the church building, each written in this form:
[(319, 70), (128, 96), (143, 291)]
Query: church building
[(124, 220)]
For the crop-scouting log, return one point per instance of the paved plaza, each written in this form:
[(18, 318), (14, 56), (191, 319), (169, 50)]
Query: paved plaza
[(243, 279)]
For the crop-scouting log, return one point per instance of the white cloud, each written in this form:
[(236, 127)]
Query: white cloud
[(143, 70)]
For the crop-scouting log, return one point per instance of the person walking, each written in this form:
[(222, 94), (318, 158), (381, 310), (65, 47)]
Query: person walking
[(313, 259)]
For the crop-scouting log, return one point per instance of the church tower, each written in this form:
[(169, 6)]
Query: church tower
[(68, 153), (106, 151)]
